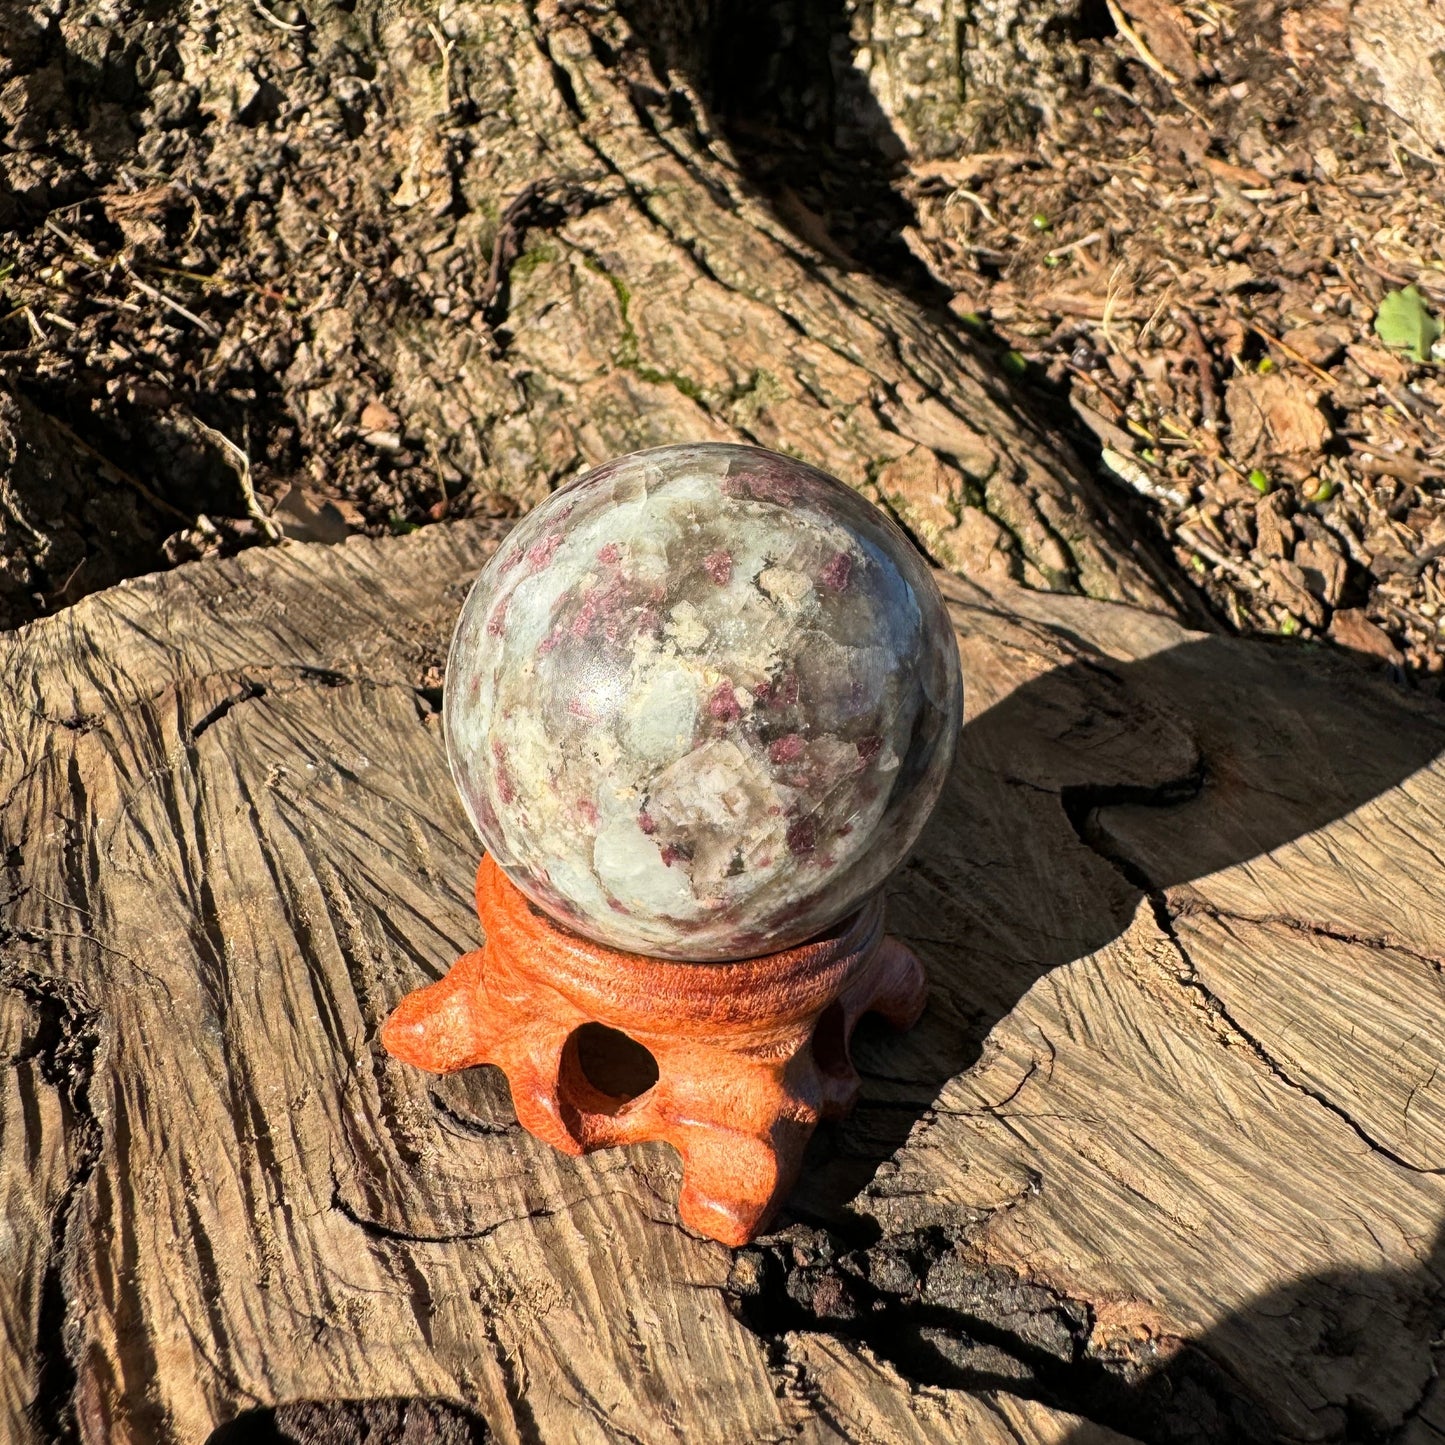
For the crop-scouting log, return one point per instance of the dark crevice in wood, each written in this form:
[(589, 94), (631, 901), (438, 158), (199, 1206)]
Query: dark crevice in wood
[(466, 1125), (944, 1319), (1429, 1389), (375, 1229), (1082, 805), (248, 691), (65, 1043), (416, 1420)]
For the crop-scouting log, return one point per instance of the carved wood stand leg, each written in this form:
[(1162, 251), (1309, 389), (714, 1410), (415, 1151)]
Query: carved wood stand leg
[(749, 1055)]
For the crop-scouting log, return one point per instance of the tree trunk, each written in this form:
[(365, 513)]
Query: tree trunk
[(459, 258), (1167, 1145)]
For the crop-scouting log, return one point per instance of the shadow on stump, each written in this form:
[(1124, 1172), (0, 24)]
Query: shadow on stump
[(1195, 1400), (1085, 793), (394, 1421)]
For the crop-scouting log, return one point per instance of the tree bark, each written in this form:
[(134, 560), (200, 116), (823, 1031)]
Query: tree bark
[(521, 232)]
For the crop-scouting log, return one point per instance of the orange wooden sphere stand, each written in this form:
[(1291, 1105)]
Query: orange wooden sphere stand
[(749, 1055)]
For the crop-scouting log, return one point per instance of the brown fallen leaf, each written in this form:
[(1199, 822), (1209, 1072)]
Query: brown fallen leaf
[(1319, 344), (1235, 175), (1352, 629), (1379, 364), (1231, 276), (1274, 414), (1274, 532), (1286, 584), (1318, 557), (309, 517), (812, 227), (148, 201)]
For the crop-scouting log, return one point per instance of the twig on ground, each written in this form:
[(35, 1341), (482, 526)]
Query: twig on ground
[(1246, 576), (1121, 24), (276, 20), (242, 464)]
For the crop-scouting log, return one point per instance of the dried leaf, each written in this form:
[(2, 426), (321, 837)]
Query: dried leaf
[(1318, 343), (1286, 583), (1378, 365), (306, 516), (1274, 414), (1318, 557), (1274, 531), (1352, 629)]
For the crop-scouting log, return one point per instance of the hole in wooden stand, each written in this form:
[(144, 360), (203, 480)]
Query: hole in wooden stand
[(830, 1042), (612, 1063)]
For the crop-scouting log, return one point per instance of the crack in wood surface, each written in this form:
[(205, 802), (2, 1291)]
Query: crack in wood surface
[(1312, 928), (376, 1229), (1189, 977), (65, 1045), (1083, 802)]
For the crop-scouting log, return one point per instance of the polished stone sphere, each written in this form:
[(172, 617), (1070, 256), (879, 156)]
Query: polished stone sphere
[(701, 701)]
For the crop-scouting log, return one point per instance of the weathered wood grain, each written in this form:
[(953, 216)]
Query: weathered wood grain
[(1177, 1081)]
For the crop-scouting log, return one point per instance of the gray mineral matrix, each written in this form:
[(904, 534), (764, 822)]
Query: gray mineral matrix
[(701, 701)]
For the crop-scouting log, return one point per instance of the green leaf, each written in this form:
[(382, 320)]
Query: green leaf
[(1404, 323), (1260, 481)]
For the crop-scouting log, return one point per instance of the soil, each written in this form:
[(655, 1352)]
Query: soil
[(1196, 263), (1185, 256)]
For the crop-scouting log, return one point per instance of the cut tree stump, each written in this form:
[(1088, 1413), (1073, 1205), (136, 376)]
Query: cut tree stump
[(1163, 1160)]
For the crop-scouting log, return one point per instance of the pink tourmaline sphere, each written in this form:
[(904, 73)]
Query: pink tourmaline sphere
[(701, 702)]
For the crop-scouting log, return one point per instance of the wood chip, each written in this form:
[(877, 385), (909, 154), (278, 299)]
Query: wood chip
[(1352, 629), (377, 416), (1318, 345)]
